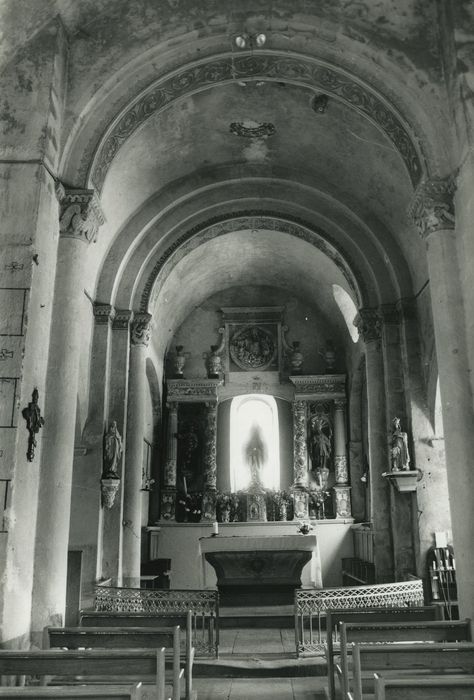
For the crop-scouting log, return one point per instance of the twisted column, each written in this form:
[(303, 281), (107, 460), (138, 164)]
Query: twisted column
[(300, 447), (210, 434)]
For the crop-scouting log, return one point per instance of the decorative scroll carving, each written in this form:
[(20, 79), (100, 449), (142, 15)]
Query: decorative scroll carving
[(141, 329), (300, 455), (252, 130), (432, 208), (310, 72), (103, 313), (34, 421), (369, 324), (320, 386), (210, 435), (183, 390), (80, 214)]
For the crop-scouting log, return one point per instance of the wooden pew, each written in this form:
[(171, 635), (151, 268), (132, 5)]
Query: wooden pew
[(437, 631), (335, 617), (127, 638), (109, 692), (412, 658), (90, 664), (425, 688)]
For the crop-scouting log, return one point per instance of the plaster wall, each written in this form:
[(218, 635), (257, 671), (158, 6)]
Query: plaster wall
[(180, 543)]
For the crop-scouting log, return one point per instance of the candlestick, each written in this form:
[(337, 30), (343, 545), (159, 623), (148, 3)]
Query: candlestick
[(215, 528), (185, 486)]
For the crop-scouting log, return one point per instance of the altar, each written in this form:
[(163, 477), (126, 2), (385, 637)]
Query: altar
[(268, 568)]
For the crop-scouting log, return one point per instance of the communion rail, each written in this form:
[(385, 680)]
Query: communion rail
[(311, 604), (204, 606)]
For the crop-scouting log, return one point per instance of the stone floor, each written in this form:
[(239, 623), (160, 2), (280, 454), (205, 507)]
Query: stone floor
[(259, 663)]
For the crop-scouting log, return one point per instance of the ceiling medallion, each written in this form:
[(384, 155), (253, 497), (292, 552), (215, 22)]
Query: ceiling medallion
[(252, 130), (252, 347)]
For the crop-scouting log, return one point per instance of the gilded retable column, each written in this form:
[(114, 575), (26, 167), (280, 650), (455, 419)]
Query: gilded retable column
[(79, 219), (210, 464), (168, 494), (300, 461), (342, 490), (140, 331), (433, 213)]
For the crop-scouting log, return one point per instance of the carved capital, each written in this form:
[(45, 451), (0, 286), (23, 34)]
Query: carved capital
[(369, 324), (122, 319), (80, 214), (340, 404), (103, 313), (432, 208), (141, 329)]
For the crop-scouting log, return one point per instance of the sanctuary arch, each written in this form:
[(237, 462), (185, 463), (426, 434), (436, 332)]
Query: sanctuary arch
[(176, 217)]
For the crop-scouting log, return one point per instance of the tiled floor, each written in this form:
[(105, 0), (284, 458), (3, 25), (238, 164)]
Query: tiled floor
[(259, 663)]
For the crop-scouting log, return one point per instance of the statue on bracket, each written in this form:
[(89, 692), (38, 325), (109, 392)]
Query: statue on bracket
[(113, 447), (399, 455), (320, 442)]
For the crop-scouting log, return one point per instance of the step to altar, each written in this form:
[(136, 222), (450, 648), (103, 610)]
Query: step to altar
[(270, 616)]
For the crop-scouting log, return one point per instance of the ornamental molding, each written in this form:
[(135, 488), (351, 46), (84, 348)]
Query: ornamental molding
[(122, 319), (325, 386), (369, 323), (432, 208), (193, 390), (140, 329), (103, 313), (254, 221), (80, 213), (293, 68)]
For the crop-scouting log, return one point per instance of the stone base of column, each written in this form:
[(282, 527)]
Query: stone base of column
[(300, 503), (342, 501), (168, 505)]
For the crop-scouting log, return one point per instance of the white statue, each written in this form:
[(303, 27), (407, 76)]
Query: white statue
[(112, 452), (399, 455)]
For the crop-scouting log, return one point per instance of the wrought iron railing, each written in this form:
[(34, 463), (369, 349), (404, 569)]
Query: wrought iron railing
[(203, 604), (311, 604)]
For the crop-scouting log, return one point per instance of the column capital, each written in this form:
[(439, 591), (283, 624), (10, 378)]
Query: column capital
[(80, 213), (432, 207), (122, 319), (340, 404), (369, 323), (103, 313), (141, 329)]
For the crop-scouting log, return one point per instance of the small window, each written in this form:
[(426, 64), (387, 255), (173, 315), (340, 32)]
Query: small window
[(254, 442)]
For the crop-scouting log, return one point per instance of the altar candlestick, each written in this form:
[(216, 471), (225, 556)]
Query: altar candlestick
[(215, 528), (185, 486)]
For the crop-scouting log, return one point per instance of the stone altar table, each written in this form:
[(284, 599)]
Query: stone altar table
[(260, 569)]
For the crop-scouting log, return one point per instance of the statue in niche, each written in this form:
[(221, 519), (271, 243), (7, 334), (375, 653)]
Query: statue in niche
[(112, 452), (255, 453), (320, 442), (399, 455)]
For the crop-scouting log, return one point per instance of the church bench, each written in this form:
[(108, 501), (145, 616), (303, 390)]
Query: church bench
[(424, 688), (430, 631), (128, 638), (335, 617), (108, 692), (411, 658), (90, 664)]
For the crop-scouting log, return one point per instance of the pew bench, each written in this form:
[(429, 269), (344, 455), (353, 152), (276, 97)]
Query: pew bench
[(109, 692), (424, 688), (389, 632), (89, 666), (128, 638), (396, 660), (373, 615)]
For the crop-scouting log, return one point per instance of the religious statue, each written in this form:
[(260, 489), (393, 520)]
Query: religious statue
[(320, 442), (112, 452), (34, 421), (256, 456), (399, 455)]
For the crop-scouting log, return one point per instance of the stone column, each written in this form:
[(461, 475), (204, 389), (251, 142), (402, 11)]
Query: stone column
[(433, 213), (210, 464), (168, 494), (342, 490), (139, 339), (79, 219), (110, 565), (300, 460), (369, 323)]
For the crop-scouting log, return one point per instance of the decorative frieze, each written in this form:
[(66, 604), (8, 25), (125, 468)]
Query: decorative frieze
[(122, 318), (369, 323), (80, 214), (193, 390), (432, 208), (140, 329), (319, 387)]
